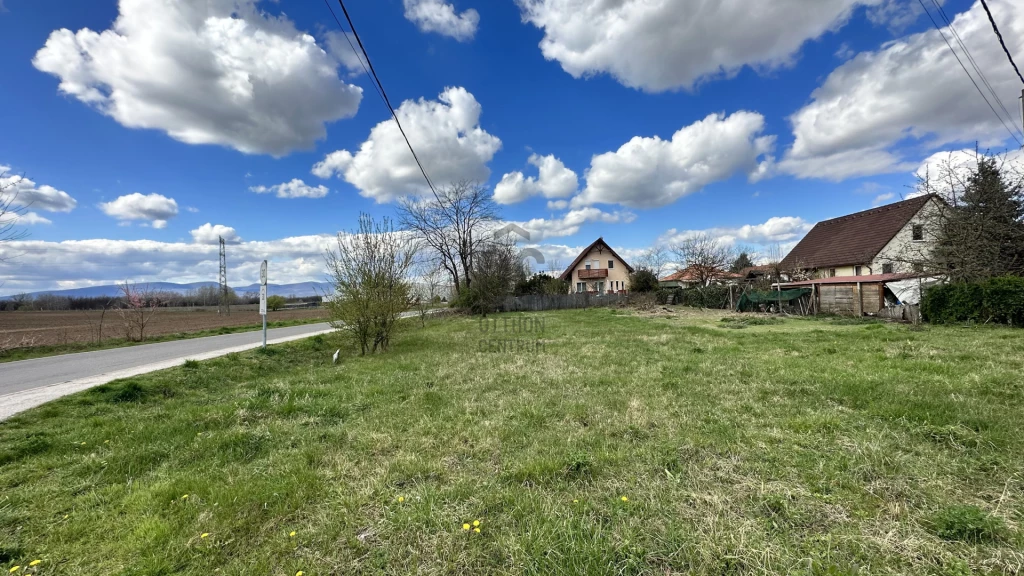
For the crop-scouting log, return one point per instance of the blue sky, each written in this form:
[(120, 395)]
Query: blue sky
[(134, 124)]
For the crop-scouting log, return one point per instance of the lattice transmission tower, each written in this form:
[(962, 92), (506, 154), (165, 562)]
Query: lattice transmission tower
[(225, 304)]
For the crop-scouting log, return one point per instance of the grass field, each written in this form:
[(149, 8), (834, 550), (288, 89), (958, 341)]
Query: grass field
[(32, 334), (609, 442)]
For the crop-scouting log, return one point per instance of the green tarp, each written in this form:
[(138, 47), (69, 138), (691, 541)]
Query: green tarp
[(749, 300)]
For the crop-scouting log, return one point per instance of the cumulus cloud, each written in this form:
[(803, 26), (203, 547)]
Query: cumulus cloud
[(554, 180), (440, 16), (42, 265), (671, 44), (651, 172), (569, 223), (296, 188), (205, 72), (948, 170), (448, 139), (155, 209), (775, 230), (25, 193), (212, 233), (910, 89), (30, 219), (883, 198)]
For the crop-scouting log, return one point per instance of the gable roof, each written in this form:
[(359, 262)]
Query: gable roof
[(567, 275), (688, 274), (855, 238)]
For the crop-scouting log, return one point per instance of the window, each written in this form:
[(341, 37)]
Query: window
[(856, 270), (580, 287), (918, 232), (831, 272), (588, 265), (887, 268), (611, 264)]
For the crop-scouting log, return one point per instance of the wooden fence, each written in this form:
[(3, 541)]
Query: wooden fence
[(537, 303)]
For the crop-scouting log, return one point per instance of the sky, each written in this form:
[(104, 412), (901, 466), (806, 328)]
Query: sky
[(138, 131)]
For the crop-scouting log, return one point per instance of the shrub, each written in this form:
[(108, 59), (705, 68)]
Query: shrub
[(643, 281), (707, 297), (275, 303), (995, 300), (661, 295)]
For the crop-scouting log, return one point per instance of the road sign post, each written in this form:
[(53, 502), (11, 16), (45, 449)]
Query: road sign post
[(263, 300)]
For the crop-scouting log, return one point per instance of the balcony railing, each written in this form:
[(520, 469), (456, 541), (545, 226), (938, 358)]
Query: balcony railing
[(593, 274)]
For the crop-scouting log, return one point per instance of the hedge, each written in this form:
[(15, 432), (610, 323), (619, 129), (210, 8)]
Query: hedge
[(999, 300)]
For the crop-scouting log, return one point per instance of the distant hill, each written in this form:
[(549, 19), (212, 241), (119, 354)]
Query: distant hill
[(298, 289)]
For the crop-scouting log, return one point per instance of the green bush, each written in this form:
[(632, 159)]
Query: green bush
[(707, 297), (661, 295), (999, 300), (643, 281), (276, 302)]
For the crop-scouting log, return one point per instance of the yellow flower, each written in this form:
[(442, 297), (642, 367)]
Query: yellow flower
[(34, 562), (299, 573), (476, 522), (106, 441), (185, 497), (465, 526), (401, 499), (574, 501), (291, 534), (66, 516), (477, 530), (624, 499), (204, 534), (83, 443), (13, 570)]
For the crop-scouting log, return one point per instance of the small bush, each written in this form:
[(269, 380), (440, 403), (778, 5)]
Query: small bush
[(715, 297), (967, 524), (275, 303), (643, 281), (661, 296)]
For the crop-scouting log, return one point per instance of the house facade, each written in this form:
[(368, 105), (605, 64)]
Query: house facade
[(883, 240), (598, 270)]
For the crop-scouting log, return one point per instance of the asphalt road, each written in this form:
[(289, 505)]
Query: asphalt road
[(28, 383)]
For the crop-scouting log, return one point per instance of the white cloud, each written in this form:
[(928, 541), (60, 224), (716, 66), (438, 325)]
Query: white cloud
[(25, 193), (912, 90), (296, 188), (440, 16), (211, 234), (651, 172), (205, 72), (883, 198), (41, 265), (31, 218), (191, 209), (569, 223), (949, 169), (446, 135), (558, 204), (775, 230), (554, 180), (671, 44), (154, 208)]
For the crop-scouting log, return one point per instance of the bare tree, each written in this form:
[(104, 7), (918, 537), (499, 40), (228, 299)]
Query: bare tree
[(369, 271), (10, 211), (705, 256), (138, 305), (656, 259), (453, 224), (431, 278)]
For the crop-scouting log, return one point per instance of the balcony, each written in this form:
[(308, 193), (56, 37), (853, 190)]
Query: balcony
[(593, 274)]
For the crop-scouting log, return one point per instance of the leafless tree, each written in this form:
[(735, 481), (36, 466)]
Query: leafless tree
[(137, 307), (369, 271), (705, 256), (430, 281), (10, 212), (453, 225), (656, 259)]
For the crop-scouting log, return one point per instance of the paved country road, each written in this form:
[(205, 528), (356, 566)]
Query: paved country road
[(28, 383)]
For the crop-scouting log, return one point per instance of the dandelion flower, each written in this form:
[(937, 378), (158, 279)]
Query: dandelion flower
[(66, 516), (185, 497), (291, 534), (13, 570), (477, 530), (575, 501), (401, 499), (476, 522), (83, 443), (34, 562), (299, 573), (465, 527), (106, 441), (204, 534), (624, 499)]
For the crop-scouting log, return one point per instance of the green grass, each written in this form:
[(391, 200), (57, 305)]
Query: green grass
[(73, 347), (798, 447)]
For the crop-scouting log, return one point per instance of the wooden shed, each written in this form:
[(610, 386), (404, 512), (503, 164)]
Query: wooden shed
[(848, 295)]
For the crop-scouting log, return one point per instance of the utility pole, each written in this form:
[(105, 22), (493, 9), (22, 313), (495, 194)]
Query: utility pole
[(225, 306)]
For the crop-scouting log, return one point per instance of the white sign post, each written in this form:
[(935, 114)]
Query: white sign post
[(263, 300)]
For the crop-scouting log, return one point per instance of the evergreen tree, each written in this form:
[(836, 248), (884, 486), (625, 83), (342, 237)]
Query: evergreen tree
[(742, 261)]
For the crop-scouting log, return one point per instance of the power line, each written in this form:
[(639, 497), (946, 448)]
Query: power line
[(1001, 42), (957, 56), (974, 64), (354, 51), (381, 92)]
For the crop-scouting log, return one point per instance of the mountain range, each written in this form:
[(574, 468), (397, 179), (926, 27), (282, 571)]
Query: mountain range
[(298, 289)]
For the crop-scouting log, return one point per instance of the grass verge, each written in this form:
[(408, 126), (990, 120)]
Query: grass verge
[(593, 442)]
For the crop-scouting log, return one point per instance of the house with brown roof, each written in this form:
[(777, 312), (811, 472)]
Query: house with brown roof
[(598, 270), (876, 241), (689, 277)]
